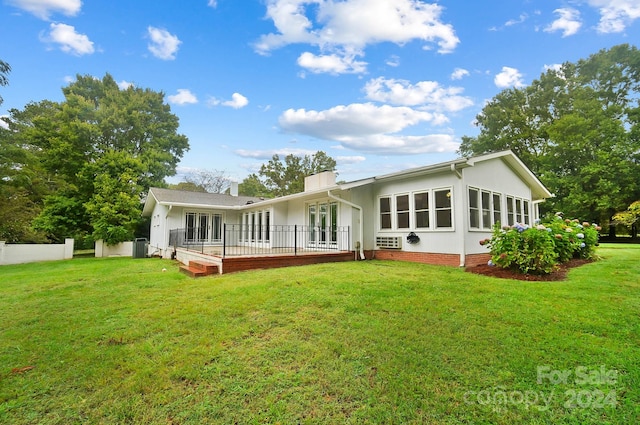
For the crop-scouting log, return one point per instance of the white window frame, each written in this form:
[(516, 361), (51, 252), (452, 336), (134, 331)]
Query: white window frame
[(450, 208), (520, 210), (493, 213), (432, 212)]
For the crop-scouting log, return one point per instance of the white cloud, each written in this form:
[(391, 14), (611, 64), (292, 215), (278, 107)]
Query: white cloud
[(393, 61), (523, 17), (268, 154), (123, 85), (3, 123), (368, 128), (333, 64), (212, 3), (347, 160), (345, 28), (164, 45), (69, 40), (616, 15), (568, 22), (237, 101), (509, 77), (183, 97), (427, 94), (459, 74), (44, 8)]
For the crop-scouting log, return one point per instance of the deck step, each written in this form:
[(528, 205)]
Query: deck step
[(199, 269)]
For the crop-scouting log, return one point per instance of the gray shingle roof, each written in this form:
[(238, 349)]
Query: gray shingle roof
[(184, 197)]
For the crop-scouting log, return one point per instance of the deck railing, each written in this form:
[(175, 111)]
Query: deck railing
[(242, 240)]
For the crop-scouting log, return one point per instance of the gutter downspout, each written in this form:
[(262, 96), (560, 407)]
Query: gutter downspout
[(164, 236), (359, 208), (463, 254)]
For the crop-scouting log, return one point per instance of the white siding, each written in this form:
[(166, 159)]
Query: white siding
[(448, 240), (497, 177)]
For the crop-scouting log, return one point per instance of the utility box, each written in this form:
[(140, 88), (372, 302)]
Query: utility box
[(140, 247)]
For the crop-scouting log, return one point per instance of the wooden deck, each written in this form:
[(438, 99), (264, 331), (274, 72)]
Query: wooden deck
[(265, 259)]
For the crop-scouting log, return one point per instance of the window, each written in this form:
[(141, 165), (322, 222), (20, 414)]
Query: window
[(443, 208), (190, 224), (333, 207), (402, 211), (385, 213), (246, 227), (497, 208), (267, 224), (217, 228), (486, 210), (474, 210), (421, 206), (518, 210), (510, 216)]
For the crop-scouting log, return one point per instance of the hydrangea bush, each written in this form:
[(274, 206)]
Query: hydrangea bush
[(539, 249)]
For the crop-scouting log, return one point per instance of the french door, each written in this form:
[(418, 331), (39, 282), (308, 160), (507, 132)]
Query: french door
[(203, 227), (323, 223)]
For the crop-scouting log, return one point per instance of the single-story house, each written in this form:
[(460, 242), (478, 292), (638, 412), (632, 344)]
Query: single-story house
[(434, 214)]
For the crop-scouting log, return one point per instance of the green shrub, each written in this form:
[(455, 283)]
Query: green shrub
[(539, 249)]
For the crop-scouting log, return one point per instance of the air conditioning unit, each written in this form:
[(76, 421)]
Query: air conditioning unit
[(389, 242)]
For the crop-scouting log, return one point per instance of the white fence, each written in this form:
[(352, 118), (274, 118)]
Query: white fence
[(123, 249), (30, 253)]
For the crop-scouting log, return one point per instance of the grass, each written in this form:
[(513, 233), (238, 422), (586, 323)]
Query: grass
[(121, 341)]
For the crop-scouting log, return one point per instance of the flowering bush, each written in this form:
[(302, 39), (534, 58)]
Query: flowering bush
[(539, 249)]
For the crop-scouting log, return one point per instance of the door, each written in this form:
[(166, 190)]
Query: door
[(323, 223), (203, 227)]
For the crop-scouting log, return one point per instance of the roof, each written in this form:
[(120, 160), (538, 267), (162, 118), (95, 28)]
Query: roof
[(222, 201), (538, 190), (187, 198)]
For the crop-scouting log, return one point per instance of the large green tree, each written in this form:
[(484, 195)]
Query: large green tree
[(285, 176), (577, 128), (99, 150)]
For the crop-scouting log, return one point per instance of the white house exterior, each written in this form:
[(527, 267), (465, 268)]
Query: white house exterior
[(434, 214)]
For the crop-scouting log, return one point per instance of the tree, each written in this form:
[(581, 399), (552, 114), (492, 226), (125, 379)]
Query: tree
[(629, 218), (99, 150), (285, 178), (190, 187), (4, 70), (252, 186), (212, 181), (577, 128)]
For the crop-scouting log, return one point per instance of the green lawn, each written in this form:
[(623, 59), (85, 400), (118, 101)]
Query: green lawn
[(121, 341)]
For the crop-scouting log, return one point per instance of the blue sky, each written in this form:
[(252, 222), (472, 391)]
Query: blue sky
[(379, 85)]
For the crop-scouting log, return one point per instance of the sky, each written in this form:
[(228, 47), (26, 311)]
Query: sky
[(379, 85)]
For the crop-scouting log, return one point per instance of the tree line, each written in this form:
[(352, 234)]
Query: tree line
[(82, 167), (578, 129)]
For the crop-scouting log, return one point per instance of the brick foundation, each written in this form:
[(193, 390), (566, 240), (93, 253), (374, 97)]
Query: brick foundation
[(419, 257), (473, 260), (453, 260), (231, 264)]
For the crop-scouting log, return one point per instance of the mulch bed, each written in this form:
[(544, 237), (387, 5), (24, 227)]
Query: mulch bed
[(559, 274)]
